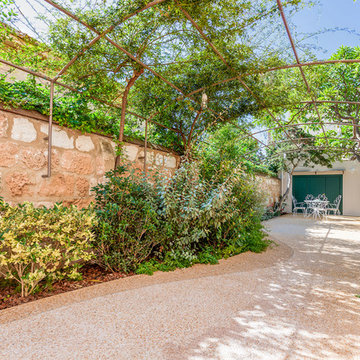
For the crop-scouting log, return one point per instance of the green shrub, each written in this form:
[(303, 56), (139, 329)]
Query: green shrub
[(194, 210), (219, 212), (208, 256), (129, 226), (43, 244), (243, 230), (175, 222)]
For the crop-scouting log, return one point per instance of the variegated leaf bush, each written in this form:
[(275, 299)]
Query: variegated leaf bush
[(38, 244)]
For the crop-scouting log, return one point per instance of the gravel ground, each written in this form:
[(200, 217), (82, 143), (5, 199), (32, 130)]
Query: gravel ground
[(295, 301)]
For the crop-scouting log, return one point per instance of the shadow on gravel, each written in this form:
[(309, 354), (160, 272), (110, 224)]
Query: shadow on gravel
[(308, 311)]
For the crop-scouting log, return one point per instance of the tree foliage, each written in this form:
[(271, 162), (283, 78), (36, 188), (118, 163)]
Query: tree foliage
[(163, 38), (329, 130)]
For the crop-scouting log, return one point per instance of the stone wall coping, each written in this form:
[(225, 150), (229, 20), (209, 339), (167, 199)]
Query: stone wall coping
[(266, 175), (38, 116)]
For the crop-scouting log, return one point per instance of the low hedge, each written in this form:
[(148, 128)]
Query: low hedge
[(40, 244)]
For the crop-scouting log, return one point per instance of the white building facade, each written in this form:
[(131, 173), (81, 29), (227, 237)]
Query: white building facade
[(342, 179)]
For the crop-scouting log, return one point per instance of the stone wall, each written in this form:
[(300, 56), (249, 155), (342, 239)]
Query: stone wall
[(79, 161), (270, 187)]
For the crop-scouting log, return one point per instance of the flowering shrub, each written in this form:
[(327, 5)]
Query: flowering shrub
[(43, 244)]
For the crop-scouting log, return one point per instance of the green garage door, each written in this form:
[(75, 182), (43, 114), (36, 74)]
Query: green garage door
[(330, 185)]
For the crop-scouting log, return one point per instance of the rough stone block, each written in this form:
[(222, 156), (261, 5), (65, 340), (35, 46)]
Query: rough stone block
[(150, 157), (109, 165), (159, 160), (47, 204), (55, 159), (100, 166), (3, 124), (78, 163), (8, 153), (18, 183), (131, 152), (34, 159), (170, 161), (60, 138), (107, 149), (82, 187), (58, 185), (23, 130), (84, 143), (80, 203), (93, 182)]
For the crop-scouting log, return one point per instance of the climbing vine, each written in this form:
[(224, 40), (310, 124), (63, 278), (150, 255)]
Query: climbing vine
[(70, 109)]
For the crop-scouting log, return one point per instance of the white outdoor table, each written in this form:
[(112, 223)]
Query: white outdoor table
[(317, 206)]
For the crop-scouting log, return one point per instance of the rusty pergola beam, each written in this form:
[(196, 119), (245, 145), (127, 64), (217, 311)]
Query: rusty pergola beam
[(150, 119), (68, 13), (49, 79), (289, 151), (104, 33), (312, 148), (283, 67), (281, 9), (296, 126), (317, 138), (305, 64), (285, 151), (49, 163), (76, 57), (217, 116), (343, 102), (239, 78), (116, 45)]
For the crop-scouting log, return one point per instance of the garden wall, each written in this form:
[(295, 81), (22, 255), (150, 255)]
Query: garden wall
[(270, 187), (79, 161)]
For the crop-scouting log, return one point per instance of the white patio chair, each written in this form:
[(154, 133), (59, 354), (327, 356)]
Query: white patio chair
[(319, 206), (308, 210), (322, 197), (298, 206), (335, 207), (322, 208)]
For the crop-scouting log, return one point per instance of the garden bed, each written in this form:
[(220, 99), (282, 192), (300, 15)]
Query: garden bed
[(91, 275)]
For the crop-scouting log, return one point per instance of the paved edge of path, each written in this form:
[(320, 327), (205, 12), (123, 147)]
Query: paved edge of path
[(244, 262)]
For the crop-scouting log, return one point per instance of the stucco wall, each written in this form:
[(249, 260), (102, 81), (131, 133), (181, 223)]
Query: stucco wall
[(351, 184), (270, 188), (79, 161)]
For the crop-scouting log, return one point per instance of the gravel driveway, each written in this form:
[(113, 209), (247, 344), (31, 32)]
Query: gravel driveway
[(295, 301)]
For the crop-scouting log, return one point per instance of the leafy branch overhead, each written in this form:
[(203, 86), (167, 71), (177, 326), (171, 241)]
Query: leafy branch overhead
[(158, 59)]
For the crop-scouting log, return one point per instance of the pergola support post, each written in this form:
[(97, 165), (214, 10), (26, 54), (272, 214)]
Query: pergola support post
[(146, 146), (49, 137)]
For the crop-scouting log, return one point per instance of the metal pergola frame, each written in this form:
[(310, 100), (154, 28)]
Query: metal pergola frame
[(237, 77)]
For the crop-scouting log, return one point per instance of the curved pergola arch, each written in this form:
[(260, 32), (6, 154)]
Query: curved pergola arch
[(241, 78), (276, 154)]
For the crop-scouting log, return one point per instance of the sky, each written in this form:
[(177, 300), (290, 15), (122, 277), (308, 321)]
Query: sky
[(331, 14), (338, 19)]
